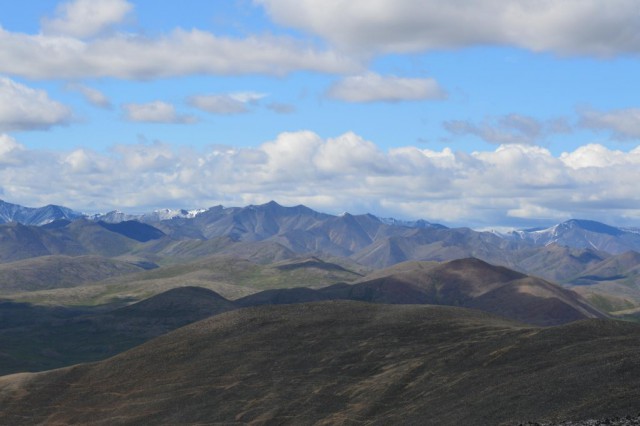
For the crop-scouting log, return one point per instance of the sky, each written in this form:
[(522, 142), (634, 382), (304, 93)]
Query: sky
[(480, 113)]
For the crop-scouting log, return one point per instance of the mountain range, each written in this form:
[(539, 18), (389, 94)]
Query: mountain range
[(583, 234), (280, 314), (578, 254), (264, 221)]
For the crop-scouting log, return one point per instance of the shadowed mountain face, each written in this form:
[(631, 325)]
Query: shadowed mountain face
[(80, 237), (134, 230), (177, 307), (345, 362), (34, 338)]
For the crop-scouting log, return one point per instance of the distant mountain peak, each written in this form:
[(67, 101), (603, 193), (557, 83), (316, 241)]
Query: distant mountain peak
[(35, 216), (593, 226), (582, 233), (419, 223)]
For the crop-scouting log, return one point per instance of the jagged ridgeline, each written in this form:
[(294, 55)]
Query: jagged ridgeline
[(596, 260)]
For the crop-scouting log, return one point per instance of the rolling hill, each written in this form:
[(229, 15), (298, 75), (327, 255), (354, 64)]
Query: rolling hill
[(48, 272), (231, 276), (469, 283), (39, 337), (345, 363), (35, 338)]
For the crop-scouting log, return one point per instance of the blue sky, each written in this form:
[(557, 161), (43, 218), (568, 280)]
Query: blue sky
[(484, 113)]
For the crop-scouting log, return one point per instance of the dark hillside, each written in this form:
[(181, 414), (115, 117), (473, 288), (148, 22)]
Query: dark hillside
[(346, 363)]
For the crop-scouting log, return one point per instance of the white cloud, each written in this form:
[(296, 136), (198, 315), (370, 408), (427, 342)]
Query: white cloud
[(582, 27), (156, 112), (24, 108), (509, 129), (595, 155), (177, 53), (93, 96), (372, 87), (513, 185), (624, 124), (7, 145), (226, 104), (86, 18)]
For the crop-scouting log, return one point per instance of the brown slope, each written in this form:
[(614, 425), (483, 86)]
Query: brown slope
[(476, 284), (468, 283), (345, 363)]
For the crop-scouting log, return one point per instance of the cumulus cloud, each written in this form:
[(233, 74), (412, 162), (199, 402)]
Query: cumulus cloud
[(372, 87), (580, 27), (509, 129), (624, 124), (598, 156), (226, 104), (86, 18), (156, 112), (177, 53), (25, 108), (93, 96), (513, 185)]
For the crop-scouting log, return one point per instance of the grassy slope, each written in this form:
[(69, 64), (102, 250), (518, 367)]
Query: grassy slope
[(346, 363), (231, 277), (49, 272)]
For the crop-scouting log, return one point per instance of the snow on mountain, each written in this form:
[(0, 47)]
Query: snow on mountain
[(420, 223), (167, 214), (35, 216), (117, 216), (575, 233), (43, 215), (114, 216), (578, 233)]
